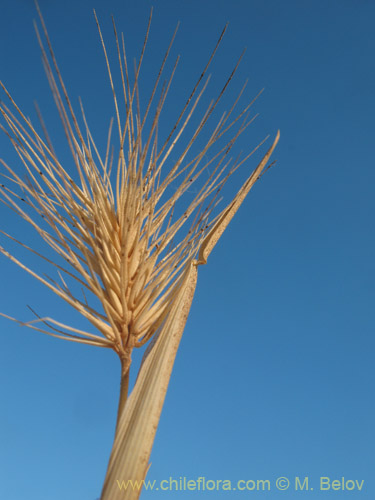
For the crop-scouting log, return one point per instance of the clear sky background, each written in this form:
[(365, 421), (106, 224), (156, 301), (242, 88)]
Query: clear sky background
[(275, 372)]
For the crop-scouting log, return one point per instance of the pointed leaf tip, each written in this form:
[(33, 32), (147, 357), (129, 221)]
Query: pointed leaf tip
[(227, 214)]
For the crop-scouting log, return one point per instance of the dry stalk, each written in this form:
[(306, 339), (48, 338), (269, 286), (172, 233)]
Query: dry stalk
[(113, 222)]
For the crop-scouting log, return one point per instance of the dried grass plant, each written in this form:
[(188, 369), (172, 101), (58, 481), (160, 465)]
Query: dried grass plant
[(117, 231)]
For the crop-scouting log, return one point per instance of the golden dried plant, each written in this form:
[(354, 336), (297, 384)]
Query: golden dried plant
[(115, 227)]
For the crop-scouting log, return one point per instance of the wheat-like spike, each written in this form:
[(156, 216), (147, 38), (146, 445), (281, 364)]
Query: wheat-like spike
[(110, 246), (121, 224)]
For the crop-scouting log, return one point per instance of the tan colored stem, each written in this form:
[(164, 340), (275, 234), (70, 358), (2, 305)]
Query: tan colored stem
[(124, 388)]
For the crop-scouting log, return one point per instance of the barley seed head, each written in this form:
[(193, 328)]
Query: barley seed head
[(119, 228)]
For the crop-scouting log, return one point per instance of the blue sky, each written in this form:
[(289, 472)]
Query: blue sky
[(275, 373)]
